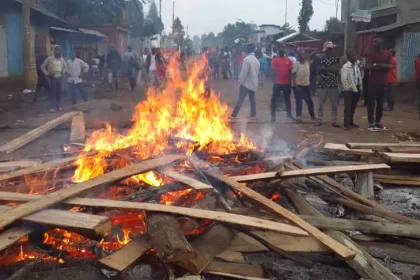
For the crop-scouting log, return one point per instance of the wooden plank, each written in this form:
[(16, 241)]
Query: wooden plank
[(342, 149), (48, 200), (246, 270), (405, 150), (189, 212), (397, 180), (13, 235), (396, 157), (92, 225), (231, 256), (37, 132), (127, 255), (334, 162), (368, 227), (78, 130), (364, 264), (39, 168), (311, 172), (18, 164), (191, 182), (396, 252), (338, 248), (383, 146)]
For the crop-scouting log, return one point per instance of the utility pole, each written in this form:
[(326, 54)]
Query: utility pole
[(285, 20), (350, 30), (337, 2), (29, 68), (173, 13), (160, 10)]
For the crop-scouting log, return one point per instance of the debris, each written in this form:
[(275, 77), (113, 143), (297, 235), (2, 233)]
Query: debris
[(115, 107)]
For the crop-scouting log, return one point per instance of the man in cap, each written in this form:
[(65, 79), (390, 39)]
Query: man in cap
[(328, 69)]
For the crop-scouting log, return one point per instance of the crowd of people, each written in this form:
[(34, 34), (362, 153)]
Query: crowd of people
[(330, 76)]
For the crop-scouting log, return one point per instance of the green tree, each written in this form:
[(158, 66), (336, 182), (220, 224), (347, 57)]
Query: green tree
[(178, 31), (239, 29), (334, 25), (210, 40), (305, 15), (288, 28), (152, 24)]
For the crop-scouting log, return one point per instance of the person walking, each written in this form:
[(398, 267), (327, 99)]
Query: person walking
[(417, 70), (352, 83), (75, 69), (43, 82), (328, 83), (54, 68), (392, 80), (248, 81), (113, 61), (153, 61), (301, 82), (132, 60), (282, 67), (379, 62)]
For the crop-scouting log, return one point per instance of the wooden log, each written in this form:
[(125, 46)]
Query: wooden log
[(397, 180), (78, 130), (246, 270), (191, 182), (341, 250), (364, 185), (13, 235), (37, 132), (334, 185), (48, 200), (311, 172), (334, 162), (382, 146), (364, 264), (8, 165), (231, 256), (39, 168), (208, 246), (396, 157), (368, 227), (127, 255), (195, 213), (396, 252), (342, 149), (168, 239), (405, 150)]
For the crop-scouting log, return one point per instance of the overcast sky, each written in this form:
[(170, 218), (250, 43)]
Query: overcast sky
[(204, 16)]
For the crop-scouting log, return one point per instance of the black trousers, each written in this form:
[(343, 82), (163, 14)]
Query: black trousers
[(350, 104), (43, 83), (390, 96), (56, 91), (304, 94), (366, 88), (287, 91), (375, 106)]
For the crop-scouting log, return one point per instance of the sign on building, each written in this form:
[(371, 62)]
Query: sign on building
[(361, 15)]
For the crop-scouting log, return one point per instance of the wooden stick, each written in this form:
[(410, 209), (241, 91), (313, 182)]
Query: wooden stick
[(246, 270), (127, 255), (231, 256), (78, 130), (37, 132), (341, 250), (189, 212), (48, 200), (397, 180), (311, 172), (395, 157), (384, 146), (396, 252), (342, 149), (18, 164), (405, 150), (191, 182), (366, 266)]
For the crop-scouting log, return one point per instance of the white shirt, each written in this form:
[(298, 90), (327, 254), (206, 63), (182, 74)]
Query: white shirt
[(75, 68), (153, 62), (249, 72), (293, 59)]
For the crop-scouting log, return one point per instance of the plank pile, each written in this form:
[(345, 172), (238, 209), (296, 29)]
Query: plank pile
[(204, 216)]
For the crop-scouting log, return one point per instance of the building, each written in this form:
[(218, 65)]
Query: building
[(398, 21), (299, 41)]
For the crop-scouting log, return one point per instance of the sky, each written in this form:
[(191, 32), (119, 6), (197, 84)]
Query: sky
[(204, 16)]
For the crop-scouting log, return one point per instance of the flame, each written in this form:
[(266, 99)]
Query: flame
[(179, 110), (275, 196)]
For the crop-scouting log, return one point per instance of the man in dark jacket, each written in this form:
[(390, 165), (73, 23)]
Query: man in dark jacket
[(43, 82), (113, 62)]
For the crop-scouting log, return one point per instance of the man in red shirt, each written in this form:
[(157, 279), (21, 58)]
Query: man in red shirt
[(379, 62), (417, 67), (282, 67), (392, 79)]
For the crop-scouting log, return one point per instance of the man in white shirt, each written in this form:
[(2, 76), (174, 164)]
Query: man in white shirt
[(248, 81), (152, 61), (75, 69)]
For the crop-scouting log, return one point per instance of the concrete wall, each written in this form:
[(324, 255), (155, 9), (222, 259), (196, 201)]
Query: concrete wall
[(409, 10)]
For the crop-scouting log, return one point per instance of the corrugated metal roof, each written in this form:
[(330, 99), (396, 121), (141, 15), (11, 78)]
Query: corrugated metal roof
[(44, 11), (293, 35), (93, 32), (389, 27), (65, 29)]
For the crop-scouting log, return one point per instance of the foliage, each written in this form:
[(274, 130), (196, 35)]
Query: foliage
[(239, 29), (288, 28), (178, 31), (305, 15), (210, 40), (334, 25), (152, 24)]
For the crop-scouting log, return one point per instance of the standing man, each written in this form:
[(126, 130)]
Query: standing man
[(417, 69), (75, 69), (133, 63), (248, 81), (54, 68), (226, 57), (352, 83), (154, 64), (282, 67), (43, 82), (328, 83), (301, 82), (113, 62), (392, 80), (379, 62)]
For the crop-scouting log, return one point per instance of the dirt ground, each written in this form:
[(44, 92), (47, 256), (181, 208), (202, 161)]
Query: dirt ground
[(403, 120)]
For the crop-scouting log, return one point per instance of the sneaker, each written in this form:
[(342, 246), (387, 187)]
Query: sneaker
[(373, 128), (380, 126), (298, 119), (335, 125), (291, 119), (318, 124), (354, 125)]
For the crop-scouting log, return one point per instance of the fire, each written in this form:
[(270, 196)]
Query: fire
[(179, 110)]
